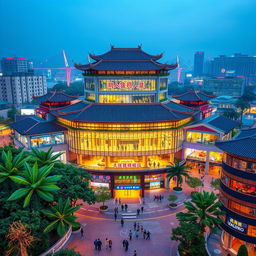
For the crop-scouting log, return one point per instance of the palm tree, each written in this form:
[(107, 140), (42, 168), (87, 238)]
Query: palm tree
[(11, 165), (62, 216), (203, 210), (231, 114), (20, 238), (36, 182), (45, 157), (242, 105), (178, 171)]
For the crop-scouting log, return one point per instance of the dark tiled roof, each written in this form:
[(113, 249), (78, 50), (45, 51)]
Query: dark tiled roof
[(55, 96), (223, 123), (179, 107), (125, 113), (21, 117), (125, 54), (246, 133), (73, 107), (126, 65), (245, 147), (129, 59), (193, 95), (30, 126)]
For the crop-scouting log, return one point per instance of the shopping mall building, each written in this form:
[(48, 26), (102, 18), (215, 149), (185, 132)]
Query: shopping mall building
[(238, 191)]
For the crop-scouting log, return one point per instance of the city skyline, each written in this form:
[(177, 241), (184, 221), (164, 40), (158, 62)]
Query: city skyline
[(214, 27)]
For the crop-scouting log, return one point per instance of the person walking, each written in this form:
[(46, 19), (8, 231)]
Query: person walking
[(115, 216), (141, 229), (126, 207), (124, 241), (106, 243), (138, 211), (135, 253), (122, 207), (134, 225), (144, 234), (122, 222), (142, 209), (126, 245), (137, 233), (95, 244), (99, 244), (110, 244), (116, 201), (148, 236), (119, 201), (130, 235), (82, 232)]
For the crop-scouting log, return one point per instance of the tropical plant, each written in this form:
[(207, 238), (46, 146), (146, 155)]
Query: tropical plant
[(172, 199), (45, 157), (178, 171), (62, 217), (20, 238), (194, 182), (74, 183), (102, 195), (36, 182), (242, 105), (242, 251), (203, 210), (11, 165), (216, 183), (191, 242), (66, 252)]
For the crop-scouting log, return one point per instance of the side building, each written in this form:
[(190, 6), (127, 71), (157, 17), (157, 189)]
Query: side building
[(238, 191)]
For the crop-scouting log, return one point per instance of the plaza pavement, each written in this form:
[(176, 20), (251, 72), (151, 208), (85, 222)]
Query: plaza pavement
[(157, 218)]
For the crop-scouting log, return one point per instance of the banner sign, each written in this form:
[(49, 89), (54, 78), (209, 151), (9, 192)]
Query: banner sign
[(120, 187), (239, 226)]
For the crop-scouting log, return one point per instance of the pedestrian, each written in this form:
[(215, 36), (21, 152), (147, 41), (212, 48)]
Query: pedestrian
[(135, 253), (119, 201), (116, 201), (138, 211), (115, 216), (124, 241), (148, 235), (142, 209), (126, 207), (160, 198), (95, 244), (134, 225), (137, 233), (110, 244), (106, 243), (154, 197), (141, 229), (122, 222), (130, 235), (99, 244), (138, 228), (82, 232), (122, 207), (126, 245), (144, 234)]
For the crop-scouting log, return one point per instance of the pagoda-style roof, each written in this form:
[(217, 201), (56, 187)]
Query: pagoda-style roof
[(244, 147), (126, 59), (98, 112), (55, 96), (36, 125), (192, 95)]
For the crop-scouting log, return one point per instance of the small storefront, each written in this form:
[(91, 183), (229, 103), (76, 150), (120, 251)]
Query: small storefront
[(155, 181), (100, 181)]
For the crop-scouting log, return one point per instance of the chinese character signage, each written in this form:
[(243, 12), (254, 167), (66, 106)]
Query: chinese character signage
[(132, 187), (125, 85), (127, 165), (239, 226)]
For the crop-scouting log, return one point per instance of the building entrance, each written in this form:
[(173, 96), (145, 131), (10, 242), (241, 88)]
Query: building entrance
[(129, 193)]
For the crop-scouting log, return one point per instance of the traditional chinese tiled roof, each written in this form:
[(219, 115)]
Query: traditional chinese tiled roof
[(55, 96), (246, 133), (244, 147), (130, 59), (193, 95), (219, 123), (96, 112), (31, 126)]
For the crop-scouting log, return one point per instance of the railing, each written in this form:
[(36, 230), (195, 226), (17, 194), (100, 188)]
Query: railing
[(60, 244), (205, 142)]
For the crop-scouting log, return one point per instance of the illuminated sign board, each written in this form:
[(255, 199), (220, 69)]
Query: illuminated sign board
[(132, 187), (238, 226), (125, 85), (127, 165), (99, 184)]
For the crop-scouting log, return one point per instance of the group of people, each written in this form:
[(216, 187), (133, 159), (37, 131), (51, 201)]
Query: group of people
[(139, 230), (140, 210), (98, 244), (158, 198)]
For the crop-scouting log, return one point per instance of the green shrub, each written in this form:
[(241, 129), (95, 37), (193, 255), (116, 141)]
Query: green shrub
[(66, 252), (242, 251)]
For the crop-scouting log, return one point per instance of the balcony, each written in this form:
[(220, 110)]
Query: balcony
[(199, 141)]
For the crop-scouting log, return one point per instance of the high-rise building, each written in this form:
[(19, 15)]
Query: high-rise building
[(198, 63), (15, 66), (21, 88), (238, 65)]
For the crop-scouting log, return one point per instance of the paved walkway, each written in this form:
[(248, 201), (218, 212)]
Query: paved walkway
[(214, 245), (156, 218)]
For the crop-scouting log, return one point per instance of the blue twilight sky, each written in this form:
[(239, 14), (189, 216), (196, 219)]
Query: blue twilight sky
[(41, 29)]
